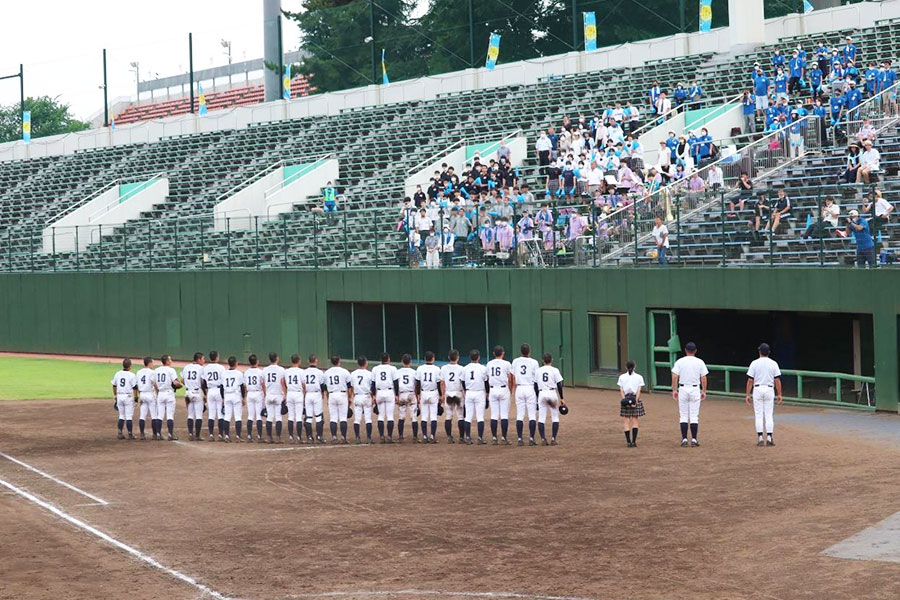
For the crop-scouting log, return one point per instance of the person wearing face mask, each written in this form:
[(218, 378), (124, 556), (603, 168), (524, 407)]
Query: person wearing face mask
[(488, 236)]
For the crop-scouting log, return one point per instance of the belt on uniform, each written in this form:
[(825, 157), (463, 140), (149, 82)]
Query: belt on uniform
[(497, 386), (761, 385), (688, 385)]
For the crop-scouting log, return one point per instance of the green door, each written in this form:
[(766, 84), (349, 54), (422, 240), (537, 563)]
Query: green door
[(556, 338), (664, 346)]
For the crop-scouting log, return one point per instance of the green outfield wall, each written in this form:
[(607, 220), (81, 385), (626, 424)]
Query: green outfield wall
[(237, 312)]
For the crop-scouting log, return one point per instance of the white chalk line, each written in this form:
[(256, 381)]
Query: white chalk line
[(297, 488), (439, 593), (96, 499), (113, 541), (334, 447)]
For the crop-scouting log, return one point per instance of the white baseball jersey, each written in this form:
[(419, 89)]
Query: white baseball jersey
[(428, 377), (191, 375), (145, 380), (630, 384), (689, 370), (475, 375), (337, 380), (232, 381), (362, 382), (125, 382), (273, 375), (213, 374), (498, 372), (548, 377), (763, 371), (293, 377), (407, 379), (314, 379), (165, 375), (384, 376), (253, 377), (451, 375), (525, 370)]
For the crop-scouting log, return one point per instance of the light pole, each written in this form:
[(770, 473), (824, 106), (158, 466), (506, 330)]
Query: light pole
[(136, 67), (227, 45)]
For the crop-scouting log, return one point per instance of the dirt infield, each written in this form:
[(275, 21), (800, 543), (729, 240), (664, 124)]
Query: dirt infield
[(590, 519)]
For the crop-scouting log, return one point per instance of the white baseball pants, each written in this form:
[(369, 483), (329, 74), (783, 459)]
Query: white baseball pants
[(526, 403), (548, 402), (165, 405), (313, 405), (337, 407), (255, 405), (499, 399), (362, 408), (295, 405), (429, 405), (407, 405), (195, 404), (764, 408), (214, 404), (273, 407), (234, 407), (148, 406), (125, 404), (475, 406), (453, 406), (385, 400), (689, 404)]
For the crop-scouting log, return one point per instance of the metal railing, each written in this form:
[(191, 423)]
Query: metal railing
[(131, 194), (657, 120)]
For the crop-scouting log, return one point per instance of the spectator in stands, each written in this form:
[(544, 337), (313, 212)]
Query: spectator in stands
[(849, 51), (871, 78), (852, 100), (460, 225), (660, 235), (778, 59), (544, 148), (419, 197), (745, 192), (447, 245), (821, 112), (696, 187), (822, 55), (683, 155), (423, 224), (681, 95), (505, 235), (525, 226), (836, 78), (635, 152), (577, 225), (545, 225), (882, 208), (504, 152), (653, 95), (704, 145), (632, 118), (761, 210), (527, 196), (781, 211), (618, 113), (827, 221), (837, 106), (781, 84), (852, 164), (796, 72), (663, 104), (869, 163), (749, 111), (664, 161), (330, 196), (851, 73), (760, 90), (885, 81), (865, 245), (715, 179), (866, 132), (795, 135), (554, 141), (432, 250), (487, 235), (695, 94)]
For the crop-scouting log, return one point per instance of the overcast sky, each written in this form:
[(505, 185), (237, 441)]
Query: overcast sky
[(60, 43)]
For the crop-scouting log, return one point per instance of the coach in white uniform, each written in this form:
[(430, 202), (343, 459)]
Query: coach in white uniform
[(147, 396), (192, 378), (166, 383), (524, 371), (452, 396), (363, 391), (764, 387), (501, 382), (213, 373), (293, 379), (234, 394), (386, 392), (337, 382), (689, 389), (428, 380), (253, 379), (407, 402), (124, 385), (313, 387), (474, 379), (274, 389)]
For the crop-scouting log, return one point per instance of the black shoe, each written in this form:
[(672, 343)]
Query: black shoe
[(684, 443), (760, 444), (630, 445), (770, 443), (695, 444)]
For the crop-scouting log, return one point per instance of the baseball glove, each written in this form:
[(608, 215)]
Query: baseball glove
[(349, 412), (440, 409), (629, 401), (284, 408), (375, 408), (176, 385), (116, 405), (264, 413), (563, 409)]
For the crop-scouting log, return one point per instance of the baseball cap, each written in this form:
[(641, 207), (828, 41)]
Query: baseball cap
[(854, 213), (690, 347), (764, 348)]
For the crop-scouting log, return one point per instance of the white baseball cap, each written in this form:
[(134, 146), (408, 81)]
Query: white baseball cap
[(854, 213)]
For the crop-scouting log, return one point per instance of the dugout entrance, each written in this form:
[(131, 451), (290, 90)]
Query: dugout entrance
[(826, 358)]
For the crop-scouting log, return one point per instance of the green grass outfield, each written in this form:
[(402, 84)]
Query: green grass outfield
[(50, 379)]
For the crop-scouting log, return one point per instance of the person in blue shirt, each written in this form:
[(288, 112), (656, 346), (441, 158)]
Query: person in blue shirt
[(822, 57), (821, 112), (852, 99), (871, 77), (760, 89), (865, 245), (330, 195), (849, 51), (815, 81), (851, 71), (772, 114), (704, 144), (692, 144), (653, 95), (695, 93), (681, 95), (672, 145), (781, 85), (749, 112), (837, 106), (800, 109), (777, 59), (885, 81), (796, 71)]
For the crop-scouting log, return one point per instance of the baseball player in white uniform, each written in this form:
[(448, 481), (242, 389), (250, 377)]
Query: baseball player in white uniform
[(452, 396), (502, 383), (253, 379), (363, 393), (386, 393), (274, 389), (314, 387), (764, 389), (147, 396), (192, 378), (293, 378), (166, 383), (428, 380), (213, 372), (406, 397), (550, 398), (474, 379), (689, 389), (124, 385), (235, 394), (337, 383), (524, 371)]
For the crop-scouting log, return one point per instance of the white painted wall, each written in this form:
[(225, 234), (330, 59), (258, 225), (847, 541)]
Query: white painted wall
[(237, 211), (426, 88), (105, 209), (650, 139), (304, 188), (747, 22)]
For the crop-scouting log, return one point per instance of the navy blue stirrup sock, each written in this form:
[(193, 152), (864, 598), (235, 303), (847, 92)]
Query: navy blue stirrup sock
[(504, 427), (494, 427), (344, 429), (278, 427), (520, 428)]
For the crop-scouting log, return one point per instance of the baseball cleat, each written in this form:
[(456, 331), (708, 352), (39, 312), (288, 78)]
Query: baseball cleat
[(120, 436), (358, 440), (344, 441), (760, 444), (278, 440), (544, 442), (630, 445), (634, 444), (269, 440), (450, 440), (290, 439), (239, 439), (212, 438), (504, 442), (221, 438), (553, 442), (481, 442), (383, 441), (143, 437), (321, 440), (130, 436), (494, 441), (227, 439), (390, 440), (469, 441), (249, 439), (684, 443), (198, 438), (434, 441), (400, 440), (770, 443), (171, 437), (520, 442), (695, 444), (416, 439), (532, 442)]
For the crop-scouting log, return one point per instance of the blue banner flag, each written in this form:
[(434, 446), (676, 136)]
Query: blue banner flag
[(705, 15), (201, 101), (26, 125), (590, 31), (493, 52), (286, 83), (807, 7), (384, 77)]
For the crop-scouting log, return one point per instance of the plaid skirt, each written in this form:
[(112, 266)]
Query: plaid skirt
[(635, 411)]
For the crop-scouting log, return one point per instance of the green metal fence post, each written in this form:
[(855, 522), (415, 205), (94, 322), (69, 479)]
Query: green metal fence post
[(53, 235), (316, 240), (228, 239), (284, 238), (150, 245), (256, 230), (771, 243), (177, 262), (635, 228), (100, 230), (594, 230), (31, 247), (125, 241), (800, 387), (722, 218), (821, 227), (727, 381), (346, 246), (9, 250), (678, 227), (202, 246), (77, 253), (837, 389), (375, 233)]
